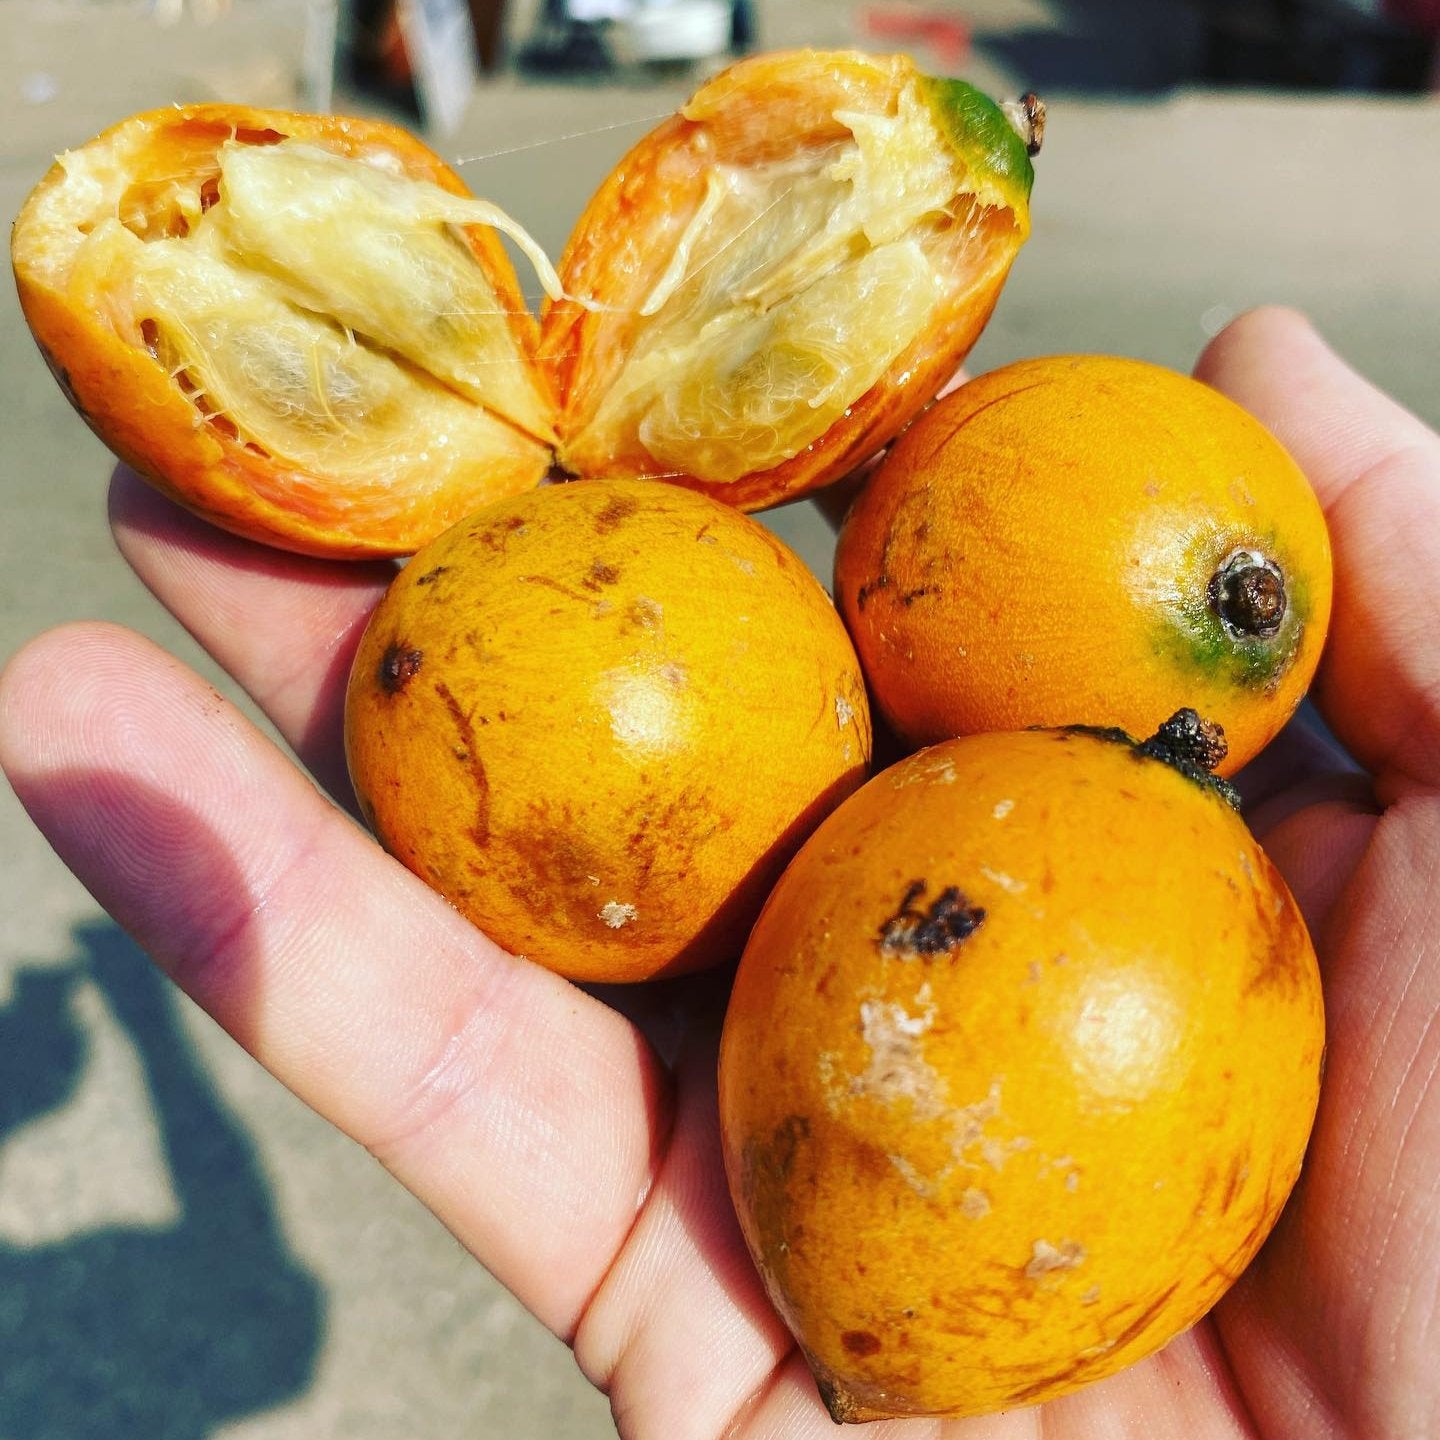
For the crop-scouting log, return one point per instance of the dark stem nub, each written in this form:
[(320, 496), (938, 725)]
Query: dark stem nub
[(1247, 592), (1194, 746), (1027, 118)]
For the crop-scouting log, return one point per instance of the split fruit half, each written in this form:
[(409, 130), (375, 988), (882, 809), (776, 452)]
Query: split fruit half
[(306, 330)]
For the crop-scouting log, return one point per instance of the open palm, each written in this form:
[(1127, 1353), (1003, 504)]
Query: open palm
[(574, 1148)]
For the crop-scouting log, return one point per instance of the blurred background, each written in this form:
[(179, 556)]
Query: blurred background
[(186, 1252)]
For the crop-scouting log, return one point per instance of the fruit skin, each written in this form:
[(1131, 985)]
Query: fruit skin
[(1018, 1070), (1038, 548), (599, 718), (136, 407), (759, 111)]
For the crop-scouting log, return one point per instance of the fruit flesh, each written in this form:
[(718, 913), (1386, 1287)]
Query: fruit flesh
[(305, 330), (1018, 1070), (798, 267), (337, 329)]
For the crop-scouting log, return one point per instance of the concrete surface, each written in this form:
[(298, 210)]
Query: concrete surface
[(184, 1250)]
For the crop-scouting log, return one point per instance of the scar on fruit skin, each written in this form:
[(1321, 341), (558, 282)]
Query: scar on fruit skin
[(950, 920), (398, 666), (1045, 1257), (618, 913)]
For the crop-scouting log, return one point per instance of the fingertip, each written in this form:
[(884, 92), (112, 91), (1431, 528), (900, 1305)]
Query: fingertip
[(1259, 351), (33, 677)]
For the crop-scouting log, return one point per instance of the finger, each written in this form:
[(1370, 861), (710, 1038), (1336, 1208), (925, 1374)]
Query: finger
[(1376, 469), (681, 1332), (284, 626), (1302, 753), (528, 1116)]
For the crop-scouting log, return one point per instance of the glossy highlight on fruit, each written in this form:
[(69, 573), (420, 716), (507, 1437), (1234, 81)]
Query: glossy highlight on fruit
[(773, 282), (301, 327), (1019, 1068), (599, 718), (1089, 539)]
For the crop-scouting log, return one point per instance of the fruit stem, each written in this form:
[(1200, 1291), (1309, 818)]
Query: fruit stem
[(1247, 592), (1193, 746), (1027, 118)]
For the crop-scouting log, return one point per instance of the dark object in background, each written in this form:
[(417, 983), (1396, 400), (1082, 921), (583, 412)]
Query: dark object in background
[(378, 61), (563, 45), (743, 30), (1315, 44), (375, 57)]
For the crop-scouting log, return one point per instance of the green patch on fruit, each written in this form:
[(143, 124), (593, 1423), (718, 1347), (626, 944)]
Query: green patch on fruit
[(982, 135), (1195, 637)]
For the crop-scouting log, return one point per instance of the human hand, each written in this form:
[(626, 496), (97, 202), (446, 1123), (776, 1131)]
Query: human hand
[(545, 1128)]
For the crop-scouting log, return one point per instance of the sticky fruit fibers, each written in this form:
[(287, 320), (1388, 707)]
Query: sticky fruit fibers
[(306, 330)]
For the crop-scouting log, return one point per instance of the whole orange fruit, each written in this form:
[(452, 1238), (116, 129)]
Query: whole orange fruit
[(1086, 539), (599, 718), (1018, 1071)]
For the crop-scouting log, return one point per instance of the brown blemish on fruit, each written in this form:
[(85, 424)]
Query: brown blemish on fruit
[(1280, 961), (430, 576), (911, 596), (841, 1406), (861, 1343), (601, 574), (1235, 1178), (497, 537), (863, 594), (470, 755), (949, 920), (618, 509), (555, 585), (1027, 118), (398, 666), (1144, 1319)]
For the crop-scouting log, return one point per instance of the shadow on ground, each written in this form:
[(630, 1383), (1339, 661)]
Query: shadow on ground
[(157, 1333)]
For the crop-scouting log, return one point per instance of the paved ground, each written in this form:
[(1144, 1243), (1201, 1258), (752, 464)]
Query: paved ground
[(184, 1251)]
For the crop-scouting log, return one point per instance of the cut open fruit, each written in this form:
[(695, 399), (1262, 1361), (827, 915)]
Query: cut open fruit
[(302, 328), (306, 330), (782, 274)]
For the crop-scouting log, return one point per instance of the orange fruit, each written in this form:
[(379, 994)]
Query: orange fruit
[(787, 270), (1085, 539), (305, 329), (300, 327), (1018, 1070), (599, 718)]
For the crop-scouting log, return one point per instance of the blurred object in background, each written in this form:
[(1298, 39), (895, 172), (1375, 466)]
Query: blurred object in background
[(317, 55), (1320, 44), (1153, 46), (937, 36), (422, 56), (569, 38), (171, 12), (377, 61), (673, 34), (600, 37), (744, 31)]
